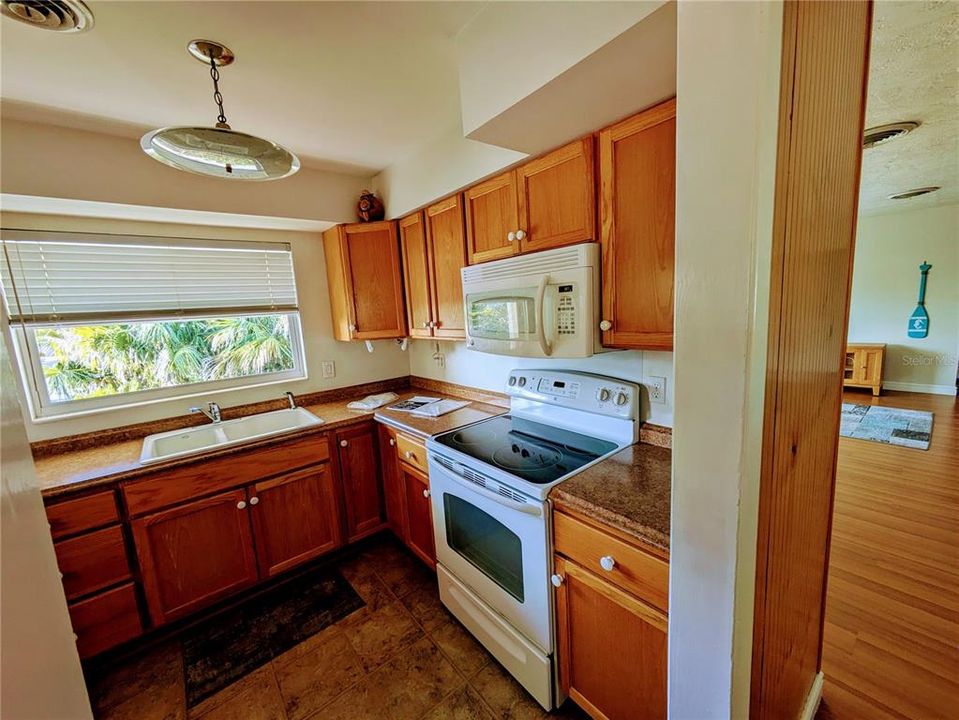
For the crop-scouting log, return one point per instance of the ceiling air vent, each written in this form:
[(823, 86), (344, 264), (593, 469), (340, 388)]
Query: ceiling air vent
[(58, 15), (884, 133), (914, 193)]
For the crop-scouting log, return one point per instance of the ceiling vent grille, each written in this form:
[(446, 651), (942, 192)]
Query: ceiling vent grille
[(57, 15), (914, 193), (884, 133)]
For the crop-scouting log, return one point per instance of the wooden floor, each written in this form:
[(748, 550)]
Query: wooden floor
[(891, 646)]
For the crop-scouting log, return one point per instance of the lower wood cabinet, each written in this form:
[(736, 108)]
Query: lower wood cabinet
[(362, 484), (394, 489), (106, 620), (863, 366), (419, 512), (195, 553), (295, 519)]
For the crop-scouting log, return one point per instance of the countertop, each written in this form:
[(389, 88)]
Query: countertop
[(629, 491), (103, 465)]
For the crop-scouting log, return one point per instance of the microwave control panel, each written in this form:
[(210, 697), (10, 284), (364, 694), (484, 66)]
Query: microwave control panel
[(566, 309)]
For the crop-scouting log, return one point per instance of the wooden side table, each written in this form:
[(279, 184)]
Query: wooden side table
[(864, 366)]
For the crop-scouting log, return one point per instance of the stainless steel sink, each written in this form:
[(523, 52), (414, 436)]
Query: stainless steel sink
[(193, 441)]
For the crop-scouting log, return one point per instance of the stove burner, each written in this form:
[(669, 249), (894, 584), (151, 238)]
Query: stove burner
[(525, 456), (476, 436)]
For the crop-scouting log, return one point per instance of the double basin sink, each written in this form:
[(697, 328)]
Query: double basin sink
[(205, 438)]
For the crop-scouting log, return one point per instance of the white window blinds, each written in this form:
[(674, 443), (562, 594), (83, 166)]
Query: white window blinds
[(65, 277)]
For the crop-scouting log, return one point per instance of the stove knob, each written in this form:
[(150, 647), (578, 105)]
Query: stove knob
[(603, 394), (522, 382), (622, 398), (512, 381)]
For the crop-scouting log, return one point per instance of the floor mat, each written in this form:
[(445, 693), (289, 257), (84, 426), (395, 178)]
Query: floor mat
[(238, 641), (895, 426)]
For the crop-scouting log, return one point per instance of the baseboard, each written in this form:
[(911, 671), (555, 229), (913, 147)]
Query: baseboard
[(919, 387), (812, 699)]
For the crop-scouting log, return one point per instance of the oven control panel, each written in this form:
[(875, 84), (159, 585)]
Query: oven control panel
[(576, 390)]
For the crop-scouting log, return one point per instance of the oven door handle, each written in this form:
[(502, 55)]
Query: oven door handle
[(544, 344), (527, 508)]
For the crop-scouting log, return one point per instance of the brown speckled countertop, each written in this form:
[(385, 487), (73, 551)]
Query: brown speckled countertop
[(105, 464), (628, 491)]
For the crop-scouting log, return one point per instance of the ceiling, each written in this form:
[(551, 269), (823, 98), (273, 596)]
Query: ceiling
[(348, 86), (913, 75)]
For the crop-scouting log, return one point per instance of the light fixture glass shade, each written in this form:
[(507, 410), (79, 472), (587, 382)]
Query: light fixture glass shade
[(219, 152)]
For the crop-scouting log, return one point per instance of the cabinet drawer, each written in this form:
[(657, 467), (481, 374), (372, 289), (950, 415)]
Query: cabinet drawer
[(93, 561), (208, 476), (412, 452), (85, 513), (106, 620), (634, 570)]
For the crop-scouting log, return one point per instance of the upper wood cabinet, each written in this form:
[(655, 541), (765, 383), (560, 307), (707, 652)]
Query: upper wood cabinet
[(362, 483), (546, 203), (434, 251), (365, 281), (637, 160)]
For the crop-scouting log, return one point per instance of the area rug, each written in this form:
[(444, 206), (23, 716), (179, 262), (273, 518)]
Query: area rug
[(894, 426), (236, 642)]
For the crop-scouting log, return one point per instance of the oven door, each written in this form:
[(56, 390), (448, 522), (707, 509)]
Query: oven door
[(497, 546)]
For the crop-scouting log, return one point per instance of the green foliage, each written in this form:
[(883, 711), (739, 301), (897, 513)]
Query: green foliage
[(87, 361)]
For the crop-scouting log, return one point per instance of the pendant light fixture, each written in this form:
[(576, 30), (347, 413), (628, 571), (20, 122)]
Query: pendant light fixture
[(218, 151)]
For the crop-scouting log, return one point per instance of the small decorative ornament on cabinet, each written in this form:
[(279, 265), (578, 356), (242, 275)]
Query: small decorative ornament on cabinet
[(370, 208)]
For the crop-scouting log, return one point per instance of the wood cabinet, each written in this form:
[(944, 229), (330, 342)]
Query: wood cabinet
[(105, 620), (362, 484), (92, 562), (295, 518), (419, 514), (434, 251), (545, 203), (863, 366), (394, 490), (363, 270), (195, 553), (611, 621), (637, 159)]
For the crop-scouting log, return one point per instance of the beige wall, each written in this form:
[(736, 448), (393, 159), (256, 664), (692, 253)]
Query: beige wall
[(885, 286), (353, 363)]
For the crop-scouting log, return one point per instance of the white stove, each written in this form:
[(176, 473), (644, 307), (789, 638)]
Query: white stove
[(489, 482)]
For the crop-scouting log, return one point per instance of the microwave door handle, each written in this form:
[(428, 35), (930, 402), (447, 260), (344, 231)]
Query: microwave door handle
[(544, 344), (495, 497)]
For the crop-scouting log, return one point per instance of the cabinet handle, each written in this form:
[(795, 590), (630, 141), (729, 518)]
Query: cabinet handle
[(605, 325), (426, 493), (352, 328), (426, 324), (392, 442), (241, 505), (557, 580), (520, 235), (409, 454), (607, 563), (344, 443), (511, 236), (254, 500)]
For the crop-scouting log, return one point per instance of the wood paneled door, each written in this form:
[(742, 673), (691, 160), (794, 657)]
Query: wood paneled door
[(611, 647), (416, 273), (491, 215), (447, 256), (362, 484), (195, 553), (419, 513), (295, 518), (394, 489), (637, 159), (366, 281), (556, 198)]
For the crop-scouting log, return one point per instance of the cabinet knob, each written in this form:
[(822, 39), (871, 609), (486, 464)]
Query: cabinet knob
[(241, 505), (607, 563), (605, 325), (511, 236), (520, 234), (352, 328), (426, 324), (254, 500), (392, 442), (426, 493), (557, 580), (344, 443), (409, 454)]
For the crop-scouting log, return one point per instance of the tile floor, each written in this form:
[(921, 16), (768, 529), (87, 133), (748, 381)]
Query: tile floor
[(402, 657)]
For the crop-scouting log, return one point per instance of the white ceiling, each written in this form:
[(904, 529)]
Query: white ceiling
[(348, 86), (913, 75)]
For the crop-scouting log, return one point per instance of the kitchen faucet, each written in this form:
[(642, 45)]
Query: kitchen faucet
[(213, 411), (290, 400)]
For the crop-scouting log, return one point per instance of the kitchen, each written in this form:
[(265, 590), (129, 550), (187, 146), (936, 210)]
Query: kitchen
[(317, 427)]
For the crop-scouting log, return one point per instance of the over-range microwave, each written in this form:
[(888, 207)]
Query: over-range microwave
[(545, 304)]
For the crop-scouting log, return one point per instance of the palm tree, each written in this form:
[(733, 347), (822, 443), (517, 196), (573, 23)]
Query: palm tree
[(250, 345)]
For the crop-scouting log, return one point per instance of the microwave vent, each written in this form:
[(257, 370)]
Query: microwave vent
[(548, 261)]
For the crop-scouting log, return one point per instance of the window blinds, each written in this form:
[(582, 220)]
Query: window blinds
[(64, 277)]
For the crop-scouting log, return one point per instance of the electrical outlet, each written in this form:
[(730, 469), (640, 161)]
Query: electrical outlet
[(328, 368), (656, 387), (440, 359)]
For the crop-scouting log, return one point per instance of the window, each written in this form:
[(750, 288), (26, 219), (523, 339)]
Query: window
[(104, 321)]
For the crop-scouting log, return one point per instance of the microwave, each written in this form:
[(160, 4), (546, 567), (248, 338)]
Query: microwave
[(540, 305)]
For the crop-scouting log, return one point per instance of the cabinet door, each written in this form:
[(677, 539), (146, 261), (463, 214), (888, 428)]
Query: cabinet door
[(638, 191), (419, 513), (394, 492), (194, 554), (360, 473), (612, 648), (295, 518), (447, 257), (556, 197), (872, 367), (491, 215), (374, 281), (416, 273)]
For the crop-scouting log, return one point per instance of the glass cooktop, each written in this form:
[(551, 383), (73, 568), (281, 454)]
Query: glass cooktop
[(529, 450)]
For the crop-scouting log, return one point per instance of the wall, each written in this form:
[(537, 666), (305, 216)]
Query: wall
[(885, 285), (728, 99), (476, 369), (353, 364), (40, 674)]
